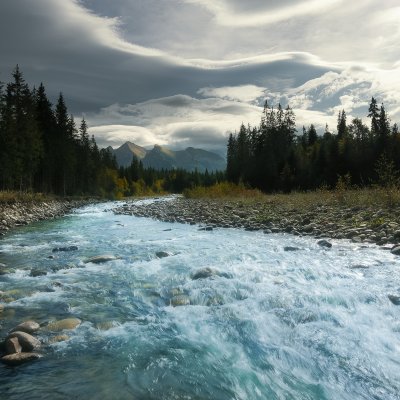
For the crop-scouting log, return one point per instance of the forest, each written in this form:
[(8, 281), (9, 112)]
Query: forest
[(43, 150), (273, 157)]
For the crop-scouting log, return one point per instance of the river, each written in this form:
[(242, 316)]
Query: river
[(314, 323)]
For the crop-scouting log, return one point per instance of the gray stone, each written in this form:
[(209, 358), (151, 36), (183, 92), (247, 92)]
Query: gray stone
[(27, 327), (203, 273), (324, 243), (19, 358), (395, 250), (395, 299), (67, 248), (37, 272), (100, 259), (290, 248), (162, 254), (13, 346), (27, 341)]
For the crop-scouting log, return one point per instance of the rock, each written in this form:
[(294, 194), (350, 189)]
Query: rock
[(105, 325), (324, 243), (27, 327), (395, 250), (19, 358), (13, 346), (208, 273), (162, 254), (58, 338), (68, 248), (358, 266), (1, 308), (395, 299), (27, 341), (290, 248), (203, 273), (181, 300), (68, 324), (100, 259), (37, 272)]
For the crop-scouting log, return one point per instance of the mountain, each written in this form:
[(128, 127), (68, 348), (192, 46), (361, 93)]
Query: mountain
[(163, 158)]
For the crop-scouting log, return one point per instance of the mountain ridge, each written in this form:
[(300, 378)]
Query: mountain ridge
[(160, 157)]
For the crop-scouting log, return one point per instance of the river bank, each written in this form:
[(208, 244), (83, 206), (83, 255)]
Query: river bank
[(19, 213), (366, 224)]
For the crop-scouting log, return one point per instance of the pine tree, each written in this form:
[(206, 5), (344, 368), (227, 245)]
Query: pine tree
[(373, 113), (46, 123), (312, 135)]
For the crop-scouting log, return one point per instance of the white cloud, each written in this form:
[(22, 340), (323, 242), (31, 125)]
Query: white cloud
[(243, 93), (176, 120), (227, 15)]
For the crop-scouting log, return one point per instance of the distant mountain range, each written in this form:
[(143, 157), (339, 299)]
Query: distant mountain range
[(160, 157)]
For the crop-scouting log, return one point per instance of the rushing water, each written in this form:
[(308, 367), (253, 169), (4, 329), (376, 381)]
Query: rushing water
[(305, 324)]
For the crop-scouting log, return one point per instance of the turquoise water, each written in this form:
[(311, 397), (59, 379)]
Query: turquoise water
[(279, 325)]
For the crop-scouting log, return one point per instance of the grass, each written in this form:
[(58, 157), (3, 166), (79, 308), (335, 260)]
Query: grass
[(10, 197), (374, 197), (223, 190)]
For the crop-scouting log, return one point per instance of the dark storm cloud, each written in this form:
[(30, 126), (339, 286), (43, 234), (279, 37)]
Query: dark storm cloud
[(142, 68), (70, 52)]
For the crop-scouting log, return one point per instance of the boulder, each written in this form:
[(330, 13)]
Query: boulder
[(100, 259), (27, 341), (203, 273), (37, 272), (395, 250), (58, 338), (180, 300), (324, 243), (27, 326), (13, 346), (162, 254), (208, 273), (290, 248), (67, 324), (19, 358), (395, 299)]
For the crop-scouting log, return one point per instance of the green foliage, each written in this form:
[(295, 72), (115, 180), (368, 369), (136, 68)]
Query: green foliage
[(273, 159)]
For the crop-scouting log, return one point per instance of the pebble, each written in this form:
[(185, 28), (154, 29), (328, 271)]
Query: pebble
[(328, 220)]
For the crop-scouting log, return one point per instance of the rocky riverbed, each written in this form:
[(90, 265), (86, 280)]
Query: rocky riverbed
[(22, 213), (359, 224)]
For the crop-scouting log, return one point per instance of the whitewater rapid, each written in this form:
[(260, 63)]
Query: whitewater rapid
[(313, 323)]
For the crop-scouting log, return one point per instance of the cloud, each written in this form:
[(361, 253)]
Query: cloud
[(179, 121), (167, 73), (243, 93), (254, 13)]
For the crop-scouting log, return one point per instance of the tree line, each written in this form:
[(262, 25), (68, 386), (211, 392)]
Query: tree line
[(275, 157), (43, 150)]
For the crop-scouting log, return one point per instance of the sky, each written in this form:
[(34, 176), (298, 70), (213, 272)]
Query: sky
[(188, 72)]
